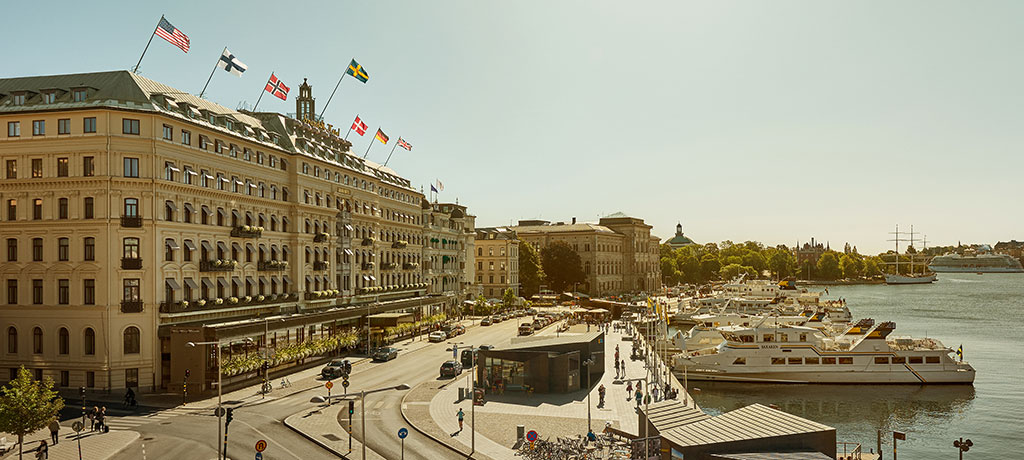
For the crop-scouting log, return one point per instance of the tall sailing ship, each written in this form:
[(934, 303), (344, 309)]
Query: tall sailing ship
[(912, 278)]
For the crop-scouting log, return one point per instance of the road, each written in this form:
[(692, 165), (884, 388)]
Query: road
[(188, 433)]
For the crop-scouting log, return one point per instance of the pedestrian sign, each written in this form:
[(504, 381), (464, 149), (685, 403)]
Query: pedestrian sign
[(531, 435), (77, 426), (329, 384), (402, 433), (261, 445)]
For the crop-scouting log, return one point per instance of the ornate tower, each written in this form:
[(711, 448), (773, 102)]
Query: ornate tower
[(305, 105), (679, 229)]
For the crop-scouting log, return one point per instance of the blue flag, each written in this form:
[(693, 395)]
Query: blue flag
[(432, 188)]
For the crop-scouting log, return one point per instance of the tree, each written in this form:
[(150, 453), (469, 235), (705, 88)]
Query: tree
[(828, 266), (562, 266), (509, 298), (871, 267), (851, 265), (709, 266), (733, 270), (27, 405), (782, 264), (530, 272), (481, 307), (669, 274)]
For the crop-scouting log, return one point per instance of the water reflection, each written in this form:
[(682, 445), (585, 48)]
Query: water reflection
[(859, 408)]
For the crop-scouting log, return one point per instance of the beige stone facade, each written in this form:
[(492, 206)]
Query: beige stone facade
[(619, 254), (497, 261), (137, 217)]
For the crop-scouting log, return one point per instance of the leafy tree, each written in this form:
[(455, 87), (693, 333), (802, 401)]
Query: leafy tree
[(530, 272), (733, 270), (709, 266), (562, 266), (27, 405), (669, 274), (782, 264), (509, 298), (481, 307), (871, 267), (851, 265), (828, 266), (755, 260)]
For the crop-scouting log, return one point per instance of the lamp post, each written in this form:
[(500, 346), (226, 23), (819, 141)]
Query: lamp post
[(220, 391), (362, 403), (963, 446), (589, 362), (472, 393)]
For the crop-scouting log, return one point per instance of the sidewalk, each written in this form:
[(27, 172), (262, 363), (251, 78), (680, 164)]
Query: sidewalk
[(95, 446), (550, 415)]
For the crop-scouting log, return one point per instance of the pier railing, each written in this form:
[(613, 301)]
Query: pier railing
[(848, 450)]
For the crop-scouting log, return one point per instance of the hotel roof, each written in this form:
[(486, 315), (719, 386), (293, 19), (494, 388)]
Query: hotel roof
[(751, 422)]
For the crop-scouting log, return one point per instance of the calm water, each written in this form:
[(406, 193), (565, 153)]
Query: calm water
[(983, 312)]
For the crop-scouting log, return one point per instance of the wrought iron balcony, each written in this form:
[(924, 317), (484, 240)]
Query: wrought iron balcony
[(324, 265), (368, 266), (131, 306), (131, 221), (321, 237), (389, 266), (400, 244), (131, 263), (368, 241), (247, 231), (412, 266), (271, 265), (219, 265)]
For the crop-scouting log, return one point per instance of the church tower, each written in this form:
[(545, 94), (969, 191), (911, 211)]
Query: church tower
[(305, 105)]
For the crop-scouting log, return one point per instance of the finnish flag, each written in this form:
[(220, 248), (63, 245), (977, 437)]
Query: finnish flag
[(230, 63)]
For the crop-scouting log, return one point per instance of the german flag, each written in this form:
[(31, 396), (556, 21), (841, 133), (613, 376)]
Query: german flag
[(383, 138)]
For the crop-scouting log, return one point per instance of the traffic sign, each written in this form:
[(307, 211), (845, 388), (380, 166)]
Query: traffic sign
[(402, 433), (259, 456), (77, 426), (219, 412), (261, 445), (531, 435), (329, 384)]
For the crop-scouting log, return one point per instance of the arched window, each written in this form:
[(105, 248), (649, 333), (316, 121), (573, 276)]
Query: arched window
[(63, 341), (12, 340), (220, 217), (204, 217), (479, 251), (131, 340), (90, 341), (37, 341)]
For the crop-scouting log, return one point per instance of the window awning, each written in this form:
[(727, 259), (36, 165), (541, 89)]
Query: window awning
[(286, 250), (349, 227), (224, 179), (263, 246), (252, 185), (236, 280), (287, 279), (173, 284), (170, 204), (208, 176), (239, 182), (348, 251), (250, 247), (189, 208), (366, 278), (236, 247), (190, 171), (373, 278), (222, 246), (263, 279), (171, 244), (191, 283), (206, 245), (207, 211), (250, 280), (208, 283), (170, 166), (309, 279), (236, 214), (223, 282)]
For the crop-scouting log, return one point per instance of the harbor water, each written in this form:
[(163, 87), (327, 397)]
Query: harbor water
[(985, 313)]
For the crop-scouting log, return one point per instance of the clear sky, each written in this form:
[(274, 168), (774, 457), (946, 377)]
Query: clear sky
[(774, 121)]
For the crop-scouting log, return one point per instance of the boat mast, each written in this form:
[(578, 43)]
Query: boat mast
[(908, 251)]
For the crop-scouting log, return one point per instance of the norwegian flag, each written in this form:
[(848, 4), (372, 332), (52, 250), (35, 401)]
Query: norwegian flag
[(359, 126), (277, 88), (403, 144)]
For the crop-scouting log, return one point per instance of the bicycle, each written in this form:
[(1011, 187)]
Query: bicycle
[(285, 383), (267, 387)]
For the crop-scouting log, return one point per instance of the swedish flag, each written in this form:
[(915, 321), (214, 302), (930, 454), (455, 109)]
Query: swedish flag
[(356, 70)]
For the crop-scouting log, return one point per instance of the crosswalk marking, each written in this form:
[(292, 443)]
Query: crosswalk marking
[(132, 421)]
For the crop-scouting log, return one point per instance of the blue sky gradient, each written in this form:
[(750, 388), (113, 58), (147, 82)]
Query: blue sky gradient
[(767, 120)]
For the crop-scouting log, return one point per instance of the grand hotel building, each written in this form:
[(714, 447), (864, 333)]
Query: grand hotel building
[(135, 218)]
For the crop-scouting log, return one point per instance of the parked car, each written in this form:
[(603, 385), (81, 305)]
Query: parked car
[(486, 321), (496, 318), (486, 347), (460, 329), (537, 325), (384, 354), (437, 336), (336, 368), (451, 368), (467, 357), (525, 329)]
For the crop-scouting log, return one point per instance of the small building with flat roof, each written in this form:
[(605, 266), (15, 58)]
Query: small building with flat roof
[(547, 364)]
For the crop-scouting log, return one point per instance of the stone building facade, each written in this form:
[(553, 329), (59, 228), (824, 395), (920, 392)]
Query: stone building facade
[(497, 261)]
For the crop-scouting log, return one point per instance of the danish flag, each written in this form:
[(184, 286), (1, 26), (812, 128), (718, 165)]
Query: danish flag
[(359, 126), (277, 88)]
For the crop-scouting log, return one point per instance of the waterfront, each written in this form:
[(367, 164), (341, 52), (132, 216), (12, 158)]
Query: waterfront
[(983, 312)]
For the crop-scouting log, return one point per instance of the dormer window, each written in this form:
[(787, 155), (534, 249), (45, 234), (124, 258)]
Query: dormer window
[(79, 95), (228, 124), (18, 99), (49, 98), (213, 119)]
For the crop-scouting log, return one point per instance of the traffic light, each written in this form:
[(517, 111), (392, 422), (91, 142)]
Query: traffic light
[(81, 392), (351, 407), (230, 415), (266, 366), (186, 373)]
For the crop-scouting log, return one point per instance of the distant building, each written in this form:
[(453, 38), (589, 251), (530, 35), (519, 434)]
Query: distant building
[(807, 255), (680, 240), (1012, 248), (497, 261)]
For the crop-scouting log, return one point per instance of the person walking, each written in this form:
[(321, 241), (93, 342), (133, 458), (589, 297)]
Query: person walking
[(462, 416), (654, 393), (601, 392), (629, 391), (92, 417), (101, 418), (54, 430), (43, 451), (639, 395)]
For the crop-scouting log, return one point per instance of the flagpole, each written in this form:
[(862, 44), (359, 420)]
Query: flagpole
[(332, 94), (147, 45), (349, 128), (211, 74), (371, 143), (261, 95), (392, 152)]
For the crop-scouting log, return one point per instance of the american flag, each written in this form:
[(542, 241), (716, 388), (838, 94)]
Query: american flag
[(277, 88), (170, 33), (359, 126), (403, 144)]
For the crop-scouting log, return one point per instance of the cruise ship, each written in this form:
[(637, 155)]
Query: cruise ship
[(864, 353), (970, 263)]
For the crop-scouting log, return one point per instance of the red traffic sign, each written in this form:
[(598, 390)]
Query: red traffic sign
[(261, 445), (329, 384), (531, 435)]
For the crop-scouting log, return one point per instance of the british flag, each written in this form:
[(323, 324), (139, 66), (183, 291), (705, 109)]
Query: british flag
[(403, 144), (359, 126), (277, 88)]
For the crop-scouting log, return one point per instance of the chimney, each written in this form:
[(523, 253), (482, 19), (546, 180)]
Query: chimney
[(574, 220)]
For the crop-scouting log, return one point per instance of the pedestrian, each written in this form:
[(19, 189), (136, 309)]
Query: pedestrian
[(54, 430), (629, 391), (43, 451), (462, 415), (600, 392), (654, 393), (101, 419), (639, 395), (92, 417)]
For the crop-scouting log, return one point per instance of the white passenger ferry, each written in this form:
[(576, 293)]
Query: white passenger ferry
[(864, 353)]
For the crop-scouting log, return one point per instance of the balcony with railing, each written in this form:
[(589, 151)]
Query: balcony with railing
[(215, 303), (131, 221), (247, 231), (388, 266), (218, 265), (400, 244), (131, 263), (131, 306), (321, 265), (410, 266), (321, 237), (368, 265), (368, 241), (271, 265)]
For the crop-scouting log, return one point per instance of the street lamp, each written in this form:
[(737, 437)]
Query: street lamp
[(589, 362), (963, 446), (220, 391), (362, 403)]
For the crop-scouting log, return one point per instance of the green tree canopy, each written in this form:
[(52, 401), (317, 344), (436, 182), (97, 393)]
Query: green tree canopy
[(530, 272), (562, 266), (27, 405), (851, 265), (828, 266), (733, 270), (508, 299)]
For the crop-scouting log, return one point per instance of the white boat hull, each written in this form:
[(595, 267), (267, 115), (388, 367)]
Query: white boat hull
[(861, 376), (901, 279)]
